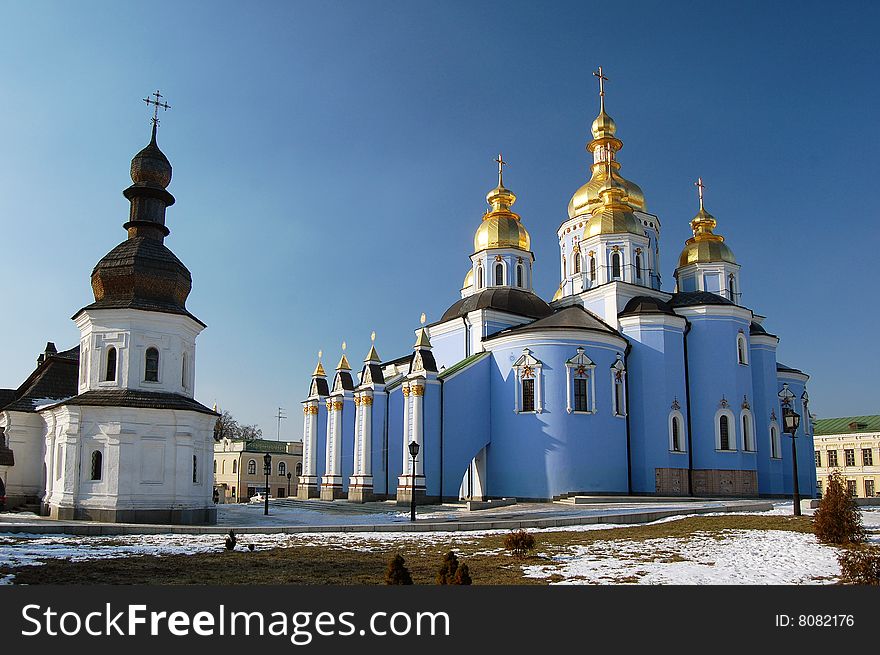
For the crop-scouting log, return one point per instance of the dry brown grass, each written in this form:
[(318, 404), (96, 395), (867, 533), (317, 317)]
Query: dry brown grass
[(328, 565)]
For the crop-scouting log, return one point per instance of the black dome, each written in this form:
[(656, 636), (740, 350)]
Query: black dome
[(646, 305), (503, 299)]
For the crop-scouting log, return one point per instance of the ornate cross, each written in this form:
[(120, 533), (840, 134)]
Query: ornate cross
[(501, 164), (700, 186), (602, 79), (157, 103)]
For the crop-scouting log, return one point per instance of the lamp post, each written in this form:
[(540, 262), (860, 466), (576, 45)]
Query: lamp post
[(267, 468), (790, 421), (414, 452), (288, 483)]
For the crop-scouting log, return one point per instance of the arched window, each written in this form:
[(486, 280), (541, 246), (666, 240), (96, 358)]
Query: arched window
[(252, 467), (592, 269), (774, 442), (724, 431), (299, 469), (235, 466), (519, 276), (615, 266), (195, 469), (110, 373), (84, 366), (215, 467), (731, 287), (528, 394), (747, 433), (741, 349), (183, 371), (499, 274), (479, 277), (638, 266), (676, 434), (97, 465), (282, 468), (151, 365), (564, 267), (223, 467), (577, 262), (618, 380)]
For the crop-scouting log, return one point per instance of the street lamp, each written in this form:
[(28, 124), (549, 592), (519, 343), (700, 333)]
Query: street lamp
[(267, 469), (790, 421), (414, 452), (288, 483)]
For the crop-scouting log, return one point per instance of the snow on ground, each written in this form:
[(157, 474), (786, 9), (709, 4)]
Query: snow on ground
[(733, 557)]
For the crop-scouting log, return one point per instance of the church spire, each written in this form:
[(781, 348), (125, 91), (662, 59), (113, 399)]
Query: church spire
[(705, 246)]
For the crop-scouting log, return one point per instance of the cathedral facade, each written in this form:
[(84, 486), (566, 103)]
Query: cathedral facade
[(615, 386), (109, 430)]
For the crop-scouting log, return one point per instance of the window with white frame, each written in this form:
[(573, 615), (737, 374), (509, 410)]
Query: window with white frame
[(580, 383), (592, 268), (183, 371), (195, 469), (577, 262), (775, 444), (499, 274), (151, 365), (84, 366), (282, 468), (519, 275), (252, 467), (676, 431), (616, 266), (110, 370), (618, 387), (479, 277), (742, 349), (748, 437), (528, 387), (97, 465), (725, 430)]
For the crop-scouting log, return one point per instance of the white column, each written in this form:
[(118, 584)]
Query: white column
[(407, 460), (366, 459), (417, 393)]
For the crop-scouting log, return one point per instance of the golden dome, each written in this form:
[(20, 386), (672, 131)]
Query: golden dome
[(612, 215), (558, 294), (705, 246), (501, 228), (468, 279), (604, 126), (585, 199)]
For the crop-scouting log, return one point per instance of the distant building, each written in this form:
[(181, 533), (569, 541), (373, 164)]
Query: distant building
[(850, 445), (238, 468)]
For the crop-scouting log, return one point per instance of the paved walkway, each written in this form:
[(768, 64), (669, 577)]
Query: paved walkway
[(289, 516)]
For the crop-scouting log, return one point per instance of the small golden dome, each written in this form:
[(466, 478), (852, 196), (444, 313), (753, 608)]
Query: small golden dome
[(501, 228), (604, 126), (705, 246), (558, 294), (468, 279)]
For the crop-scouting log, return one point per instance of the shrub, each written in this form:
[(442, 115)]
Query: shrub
[(860, 565), (397, 573), (838, 520), (446, 574), (230, 540), (520, 542), (462, 575)]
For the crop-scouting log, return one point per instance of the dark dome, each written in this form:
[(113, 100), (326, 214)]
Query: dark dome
[(646, 305), (688, 298), (503, 299), (755, 328), (150, 166), (142, 270)]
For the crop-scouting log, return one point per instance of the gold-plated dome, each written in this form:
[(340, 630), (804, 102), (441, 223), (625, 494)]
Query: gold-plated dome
[(468, 279), (612, 215), (558, 294), (501, 228), (705, 246), (604, 126)]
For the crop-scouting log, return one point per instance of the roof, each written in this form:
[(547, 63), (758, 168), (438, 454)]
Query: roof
[(138, 399), (756, 328), (266, 446), (689, 298), (462, 364), (55, 378), (780, 367), (573, 317), (847, 425), (504, 299), (647, 305)]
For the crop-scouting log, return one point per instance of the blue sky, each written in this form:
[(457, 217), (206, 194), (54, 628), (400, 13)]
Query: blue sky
[(331, 161)]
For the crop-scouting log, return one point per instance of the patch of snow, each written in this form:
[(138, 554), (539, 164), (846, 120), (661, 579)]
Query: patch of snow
[(731, 557), (6, 579)]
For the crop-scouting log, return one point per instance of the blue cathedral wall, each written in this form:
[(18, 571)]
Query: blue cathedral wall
[(560, 452), (805, 450), (655, 375), (764, 384)]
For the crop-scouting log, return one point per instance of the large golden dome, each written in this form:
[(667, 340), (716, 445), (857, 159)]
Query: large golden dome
[(586, 198), (612, 215), (501, 228), (705, 246)]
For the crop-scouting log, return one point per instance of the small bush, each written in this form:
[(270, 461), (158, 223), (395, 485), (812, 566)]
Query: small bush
[(860, 566), (230, 540), (462, 575), (838, 519), (519, 542), (446, 574), (397, 573)]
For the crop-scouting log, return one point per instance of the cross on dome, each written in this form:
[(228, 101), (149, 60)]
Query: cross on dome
[(501, 164), (156, 104)]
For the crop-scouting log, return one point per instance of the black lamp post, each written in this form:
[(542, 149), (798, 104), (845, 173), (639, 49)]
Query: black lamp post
[(289, 475), (790, 420), (267, 468), (414, 452)]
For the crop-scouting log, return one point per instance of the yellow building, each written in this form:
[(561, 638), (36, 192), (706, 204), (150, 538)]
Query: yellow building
[(850, 445), (239, 473)]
